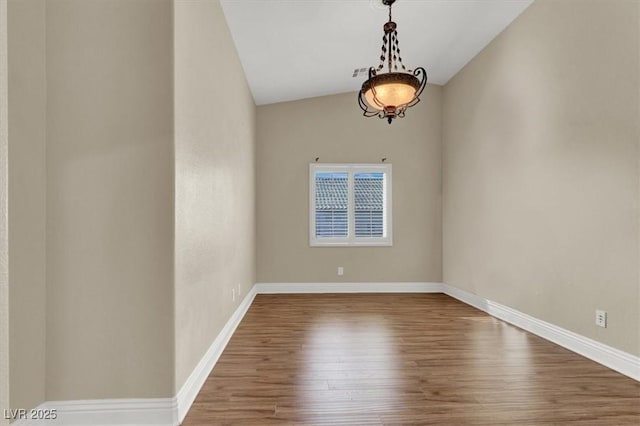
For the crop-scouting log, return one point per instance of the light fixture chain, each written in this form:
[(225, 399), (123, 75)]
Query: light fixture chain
[(398, 50), (383, 55), (395, 48), (390, 41)]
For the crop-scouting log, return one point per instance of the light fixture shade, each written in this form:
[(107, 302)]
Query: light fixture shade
[(389, 95), (391, 89)]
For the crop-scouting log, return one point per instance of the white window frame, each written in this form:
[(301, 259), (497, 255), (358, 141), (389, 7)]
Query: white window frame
[(351, 239)]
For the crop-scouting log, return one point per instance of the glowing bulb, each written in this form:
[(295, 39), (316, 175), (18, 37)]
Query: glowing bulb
[(390, 94), (391, 90)]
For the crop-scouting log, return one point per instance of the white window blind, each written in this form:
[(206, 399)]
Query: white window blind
[(369, 203), (350, 204), (332, 191)]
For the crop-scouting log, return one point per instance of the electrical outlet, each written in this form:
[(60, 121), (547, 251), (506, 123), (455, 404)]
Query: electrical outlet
[(601, 318), (233, 294), (239, 290), (340, 271)]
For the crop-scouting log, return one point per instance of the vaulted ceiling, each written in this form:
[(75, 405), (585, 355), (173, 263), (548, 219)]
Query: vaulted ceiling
[(296, 49)]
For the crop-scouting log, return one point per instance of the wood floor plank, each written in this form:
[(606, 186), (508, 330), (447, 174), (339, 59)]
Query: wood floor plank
[(410, 359)]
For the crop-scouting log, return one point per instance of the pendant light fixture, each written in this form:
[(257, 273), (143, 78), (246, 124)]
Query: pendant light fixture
[(389, 94)]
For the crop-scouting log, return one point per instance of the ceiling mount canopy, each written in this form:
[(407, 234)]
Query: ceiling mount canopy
[(389, 94)]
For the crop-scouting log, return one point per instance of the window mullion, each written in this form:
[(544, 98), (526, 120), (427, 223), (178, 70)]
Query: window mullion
[(351, 212)]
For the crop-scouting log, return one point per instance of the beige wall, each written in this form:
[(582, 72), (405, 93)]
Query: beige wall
[(214, 202), (4, 217), (292, 134), (109, 199), (100, 196), (541, 168), (27, 199)]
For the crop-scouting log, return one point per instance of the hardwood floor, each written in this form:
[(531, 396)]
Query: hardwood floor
[(421, 359)]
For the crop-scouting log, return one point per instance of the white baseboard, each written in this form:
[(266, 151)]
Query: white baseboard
[(468, 298), (171, 411), (196, 379), (153, 411), (106, 412), (615, 359), (400, 287)]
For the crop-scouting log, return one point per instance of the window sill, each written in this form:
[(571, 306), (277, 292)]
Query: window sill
[(381, 243)]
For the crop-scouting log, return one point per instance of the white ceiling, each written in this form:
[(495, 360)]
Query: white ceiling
[(296, 49)]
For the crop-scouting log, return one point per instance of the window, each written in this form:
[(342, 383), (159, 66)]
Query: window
[(350, 204)]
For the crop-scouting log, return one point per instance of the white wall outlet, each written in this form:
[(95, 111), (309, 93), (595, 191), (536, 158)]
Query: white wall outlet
[(340, 271), (239, 290), (233, 294), (601, 318)]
